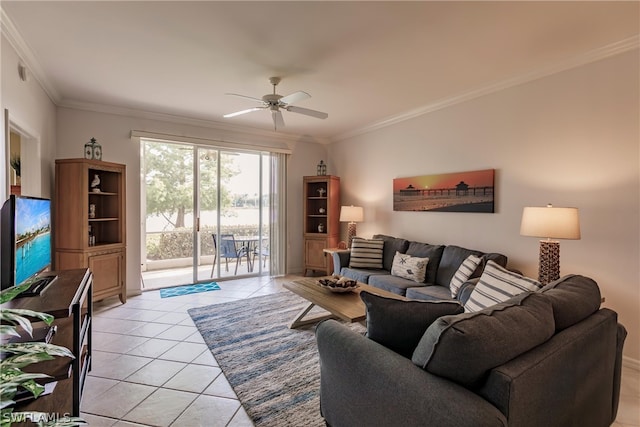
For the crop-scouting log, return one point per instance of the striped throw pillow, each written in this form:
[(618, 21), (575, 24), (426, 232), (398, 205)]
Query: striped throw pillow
[(497, 285), (465, 271), (366, 253), (409, 267)]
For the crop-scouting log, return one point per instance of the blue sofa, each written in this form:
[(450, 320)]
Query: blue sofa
[(444, 261)]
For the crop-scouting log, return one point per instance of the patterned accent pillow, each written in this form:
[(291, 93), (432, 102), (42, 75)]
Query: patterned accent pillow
[(409, 267), (366, 253), (465, 271), (496, 285)]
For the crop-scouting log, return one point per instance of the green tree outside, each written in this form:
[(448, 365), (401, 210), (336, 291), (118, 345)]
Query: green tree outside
[(169, 180)]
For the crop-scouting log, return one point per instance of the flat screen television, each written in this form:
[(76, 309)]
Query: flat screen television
[(25, 239)]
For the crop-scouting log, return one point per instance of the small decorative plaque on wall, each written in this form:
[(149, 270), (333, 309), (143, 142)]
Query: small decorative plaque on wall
[(447, 192)]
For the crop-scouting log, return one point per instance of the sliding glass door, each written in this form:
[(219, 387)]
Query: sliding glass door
[(206, 213)]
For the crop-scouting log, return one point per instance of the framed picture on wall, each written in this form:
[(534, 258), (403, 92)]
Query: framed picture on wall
[(448, 192)]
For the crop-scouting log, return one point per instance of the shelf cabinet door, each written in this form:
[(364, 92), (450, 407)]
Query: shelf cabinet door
[(107, 269), (314, 258)]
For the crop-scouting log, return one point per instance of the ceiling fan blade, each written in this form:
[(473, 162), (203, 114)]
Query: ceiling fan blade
[(237, 113), (307, 112), (278, 121), (246, 97), (294, 97)]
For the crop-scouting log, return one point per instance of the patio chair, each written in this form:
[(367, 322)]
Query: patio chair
[(228, 249), (263, 251)]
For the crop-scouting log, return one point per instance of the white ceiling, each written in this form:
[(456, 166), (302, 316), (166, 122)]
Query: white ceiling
[(364, 63)]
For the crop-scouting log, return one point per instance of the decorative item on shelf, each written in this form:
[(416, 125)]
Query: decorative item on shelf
[(351, 214), (321, 228), (95, 184), (550, 223), (321, 169), (93, 150), (92, 210), (321, 192), (322, 210), (92, 237)]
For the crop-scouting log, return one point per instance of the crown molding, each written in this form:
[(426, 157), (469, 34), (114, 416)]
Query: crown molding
[(594, 55), (230, 131), (25, 53)]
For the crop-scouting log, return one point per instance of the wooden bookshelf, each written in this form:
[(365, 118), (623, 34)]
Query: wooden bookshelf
[(89, 224)]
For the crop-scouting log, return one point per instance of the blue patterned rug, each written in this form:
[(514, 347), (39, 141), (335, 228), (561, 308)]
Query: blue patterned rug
[(189, 289), (274, 370)]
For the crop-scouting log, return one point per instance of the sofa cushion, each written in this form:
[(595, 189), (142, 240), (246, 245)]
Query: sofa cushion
[(463, 274), (429, 293), (361, 274), (573, 299), (398, 324), (466, 346), (395, 284), (425, 250), (453, 256), (366, 253), (496, 285), (391, 246), (409, 267)]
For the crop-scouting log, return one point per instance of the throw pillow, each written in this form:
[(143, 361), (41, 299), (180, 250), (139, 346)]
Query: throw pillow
[(465, 271), (409, 267), (366, 253), (399, 324), (465, 347), (496, 285)]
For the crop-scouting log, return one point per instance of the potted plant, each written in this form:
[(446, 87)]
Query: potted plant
[(16, 356), (15, 165)]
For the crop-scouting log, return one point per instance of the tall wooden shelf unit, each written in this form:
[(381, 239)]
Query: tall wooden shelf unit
[(321, 220), (105, 252)]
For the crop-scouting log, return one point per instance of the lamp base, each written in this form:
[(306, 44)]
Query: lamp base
[(549, 267), (351, 233)]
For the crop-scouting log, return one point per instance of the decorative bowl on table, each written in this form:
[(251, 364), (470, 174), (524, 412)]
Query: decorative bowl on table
[(338, 284)]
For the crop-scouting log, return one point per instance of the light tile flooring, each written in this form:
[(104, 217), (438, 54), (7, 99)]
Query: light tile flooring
[(151, 366)]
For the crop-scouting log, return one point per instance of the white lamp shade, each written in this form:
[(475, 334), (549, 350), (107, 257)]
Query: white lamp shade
[(351, 214), (550, 222)]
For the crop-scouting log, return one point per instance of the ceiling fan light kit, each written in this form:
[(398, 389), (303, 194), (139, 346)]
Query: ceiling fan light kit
[(275, 102)]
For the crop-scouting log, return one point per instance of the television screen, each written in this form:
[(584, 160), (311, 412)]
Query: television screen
[(26, 238)]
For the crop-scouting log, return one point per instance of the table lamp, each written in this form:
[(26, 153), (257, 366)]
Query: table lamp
[(550, 223), (351, 214)]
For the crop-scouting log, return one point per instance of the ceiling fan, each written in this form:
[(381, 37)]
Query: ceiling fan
[(275, 102)]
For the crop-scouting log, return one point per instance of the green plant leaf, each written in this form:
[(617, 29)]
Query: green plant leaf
[(16, 376), (8, 330), (10, 293), (36, 347), (48, 319), (23, 359)]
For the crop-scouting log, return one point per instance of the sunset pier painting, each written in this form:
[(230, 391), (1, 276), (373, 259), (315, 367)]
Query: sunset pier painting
[(449, 192)]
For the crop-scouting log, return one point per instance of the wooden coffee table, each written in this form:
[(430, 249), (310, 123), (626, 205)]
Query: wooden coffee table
[(346, 306)]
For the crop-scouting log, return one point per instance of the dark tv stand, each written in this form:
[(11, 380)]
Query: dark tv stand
[(69, 300), (38, 286)]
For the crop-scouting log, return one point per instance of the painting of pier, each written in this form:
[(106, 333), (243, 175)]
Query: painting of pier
[(449, 192)]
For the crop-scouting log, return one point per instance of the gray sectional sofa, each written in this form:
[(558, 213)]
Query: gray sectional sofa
[(547, 358), (443, 264)]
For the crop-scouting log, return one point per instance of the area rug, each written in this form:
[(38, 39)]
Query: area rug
[(274, 370), (188, 289)]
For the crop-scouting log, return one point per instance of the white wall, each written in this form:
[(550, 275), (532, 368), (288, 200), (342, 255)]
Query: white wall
[(571, 139), (31, 110), (75, 127)]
